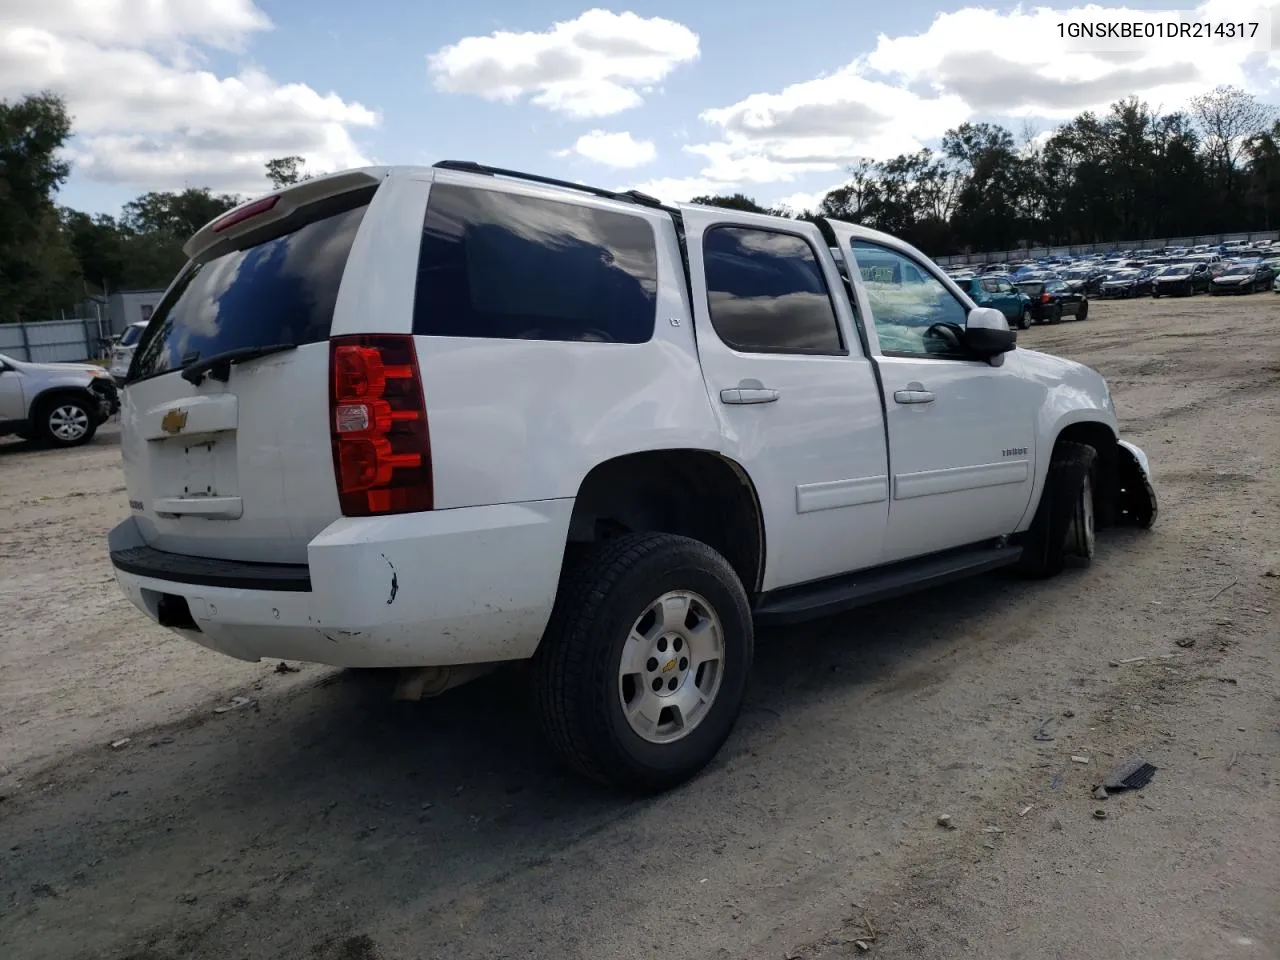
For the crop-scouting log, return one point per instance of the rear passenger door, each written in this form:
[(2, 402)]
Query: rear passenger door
[(796, 395)]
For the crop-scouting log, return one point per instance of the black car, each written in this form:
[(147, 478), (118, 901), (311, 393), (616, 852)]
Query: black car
[(1087, 280), (1121, 283), (1051, 300), (1243, 278), (1182, 279)]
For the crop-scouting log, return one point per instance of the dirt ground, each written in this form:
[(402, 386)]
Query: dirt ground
[(325, 821)]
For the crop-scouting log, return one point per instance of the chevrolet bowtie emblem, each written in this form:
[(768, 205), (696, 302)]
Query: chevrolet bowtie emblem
[(174, 421)]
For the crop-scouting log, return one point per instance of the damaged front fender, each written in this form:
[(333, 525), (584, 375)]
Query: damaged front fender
[(1136, 502)]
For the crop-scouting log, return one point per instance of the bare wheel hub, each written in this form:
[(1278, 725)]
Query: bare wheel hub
[(671, 666)]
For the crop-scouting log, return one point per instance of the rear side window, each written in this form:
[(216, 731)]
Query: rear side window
[(767, 294), (510, 267), (263, 291)]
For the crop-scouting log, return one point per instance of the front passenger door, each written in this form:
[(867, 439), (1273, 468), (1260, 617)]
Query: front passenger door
[(961, 431)]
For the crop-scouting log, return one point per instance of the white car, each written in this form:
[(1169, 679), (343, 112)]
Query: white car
[(122, 352), (58, 404), (450, 417)]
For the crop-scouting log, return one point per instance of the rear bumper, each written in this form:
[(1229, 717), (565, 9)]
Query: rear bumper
[(472, 585)]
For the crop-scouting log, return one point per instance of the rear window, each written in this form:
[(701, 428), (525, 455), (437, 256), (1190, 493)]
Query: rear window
[(498, 265), (264, 291)]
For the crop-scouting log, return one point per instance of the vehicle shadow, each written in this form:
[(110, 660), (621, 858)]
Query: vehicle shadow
[(336, 793), (14, 446)]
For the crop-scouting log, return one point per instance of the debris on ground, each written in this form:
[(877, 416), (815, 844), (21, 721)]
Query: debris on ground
[(283, 667), (1186, 642), (1068, 714), (1121, 663), (1042, 732), (122, 742), (1231, 680), (945, 821), (1100, 793), (993, 829), (1131, 775), (1075, 758), (862, 945), (1222, 591), (1025, 810), (234, 704), (1099, 814)]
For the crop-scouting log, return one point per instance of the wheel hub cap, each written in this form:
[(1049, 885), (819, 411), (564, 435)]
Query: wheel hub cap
[(671, 666), (68, 423)]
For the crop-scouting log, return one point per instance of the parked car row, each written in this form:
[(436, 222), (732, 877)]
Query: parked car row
[(1171, 272)]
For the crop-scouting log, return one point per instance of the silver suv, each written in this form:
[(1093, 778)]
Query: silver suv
[(61, 404)]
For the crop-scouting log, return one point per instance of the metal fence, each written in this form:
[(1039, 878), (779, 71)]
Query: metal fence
[(52, 341), (1083, 249)]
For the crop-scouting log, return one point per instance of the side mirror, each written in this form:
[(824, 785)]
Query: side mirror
[(987, 333)]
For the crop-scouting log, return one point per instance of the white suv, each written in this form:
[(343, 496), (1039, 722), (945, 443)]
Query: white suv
[(122, 350), (455, 416)]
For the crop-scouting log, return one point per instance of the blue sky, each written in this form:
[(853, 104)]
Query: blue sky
[(774, 100)]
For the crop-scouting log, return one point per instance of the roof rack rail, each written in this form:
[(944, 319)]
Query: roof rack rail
[(633, 196)]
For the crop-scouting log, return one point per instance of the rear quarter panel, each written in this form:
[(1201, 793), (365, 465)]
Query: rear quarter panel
[(521, 420)]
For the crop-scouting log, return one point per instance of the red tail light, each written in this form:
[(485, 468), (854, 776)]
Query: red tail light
[(1044, 298), (378, 421)]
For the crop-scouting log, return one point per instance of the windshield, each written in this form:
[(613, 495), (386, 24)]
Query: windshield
[(131, 335), (281, 290), (1238, 270), (1179, 270)]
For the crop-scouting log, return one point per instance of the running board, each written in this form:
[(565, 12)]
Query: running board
[(823, 598)]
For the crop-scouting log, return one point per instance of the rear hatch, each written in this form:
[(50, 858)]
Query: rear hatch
[(233, 461)]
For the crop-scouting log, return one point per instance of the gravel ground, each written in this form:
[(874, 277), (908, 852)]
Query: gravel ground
[(325, 821)]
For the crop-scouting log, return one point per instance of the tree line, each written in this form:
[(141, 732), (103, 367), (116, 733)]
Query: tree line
[(52, 257), (1129, 173)]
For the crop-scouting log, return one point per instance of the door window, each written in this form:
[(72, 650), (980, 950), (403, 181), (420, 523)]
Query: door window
[(766, 293), (904, 311), (1003, 286)]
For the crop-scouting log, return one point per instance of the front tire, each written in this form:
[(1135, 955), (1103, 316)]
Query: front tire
[(66, 422), (1024, 320), (643, 667), (1083, 312), (1063, 526)]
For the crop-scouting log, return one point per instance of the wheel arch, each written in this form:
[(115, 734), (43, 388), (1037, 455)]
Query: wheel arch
[(1087, 427), (52, 393), (693, 492)]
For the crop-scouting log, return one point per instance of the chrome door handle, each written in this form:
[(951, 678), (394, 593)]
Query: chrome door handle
[(748, 395), (915, 393)]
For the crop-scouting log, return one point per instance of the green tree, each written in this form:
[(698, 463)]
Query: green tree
[(285, 171), (36, 272)]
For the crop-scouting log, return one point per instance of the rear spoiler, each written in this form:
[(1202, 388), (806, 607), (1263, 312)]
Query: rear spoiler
[(263, 211)]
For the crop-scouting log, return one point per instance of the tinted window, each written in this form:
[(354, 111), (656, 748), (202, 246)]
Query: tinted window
[(520, 268), (279, 290), (766, 292), (904, 311), (1056, 286)]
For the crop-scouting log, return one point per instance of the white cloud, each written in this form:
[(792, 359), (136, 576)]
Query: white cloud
[(147, 117), (910, 89), (597, 65), (680, 189), (613, 149)]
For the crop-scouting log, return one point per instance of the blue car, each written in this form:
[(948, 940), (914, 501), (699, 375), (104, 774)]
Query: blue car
[(998, 292)]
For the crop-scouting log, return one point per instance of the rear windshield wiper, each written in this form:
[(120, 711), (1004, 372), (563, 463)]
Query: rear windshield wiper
[(219, 365)]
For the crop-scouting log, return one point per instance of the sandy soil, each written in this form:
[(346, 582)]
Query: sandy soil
[(325, 821)]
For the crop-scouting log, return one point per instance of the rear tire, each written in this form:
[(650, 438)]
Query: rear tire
[(66, 421), (1083, 312), (618, 699), (1024, 321), (1063, 526)]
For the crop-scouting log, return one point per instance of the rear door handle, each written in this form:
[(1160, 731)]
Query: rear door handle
[(914, 393), (748, 395)]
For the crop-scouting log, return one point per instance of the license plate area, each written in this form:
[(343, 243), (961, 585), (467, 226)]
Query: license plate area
[(196, 476)]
